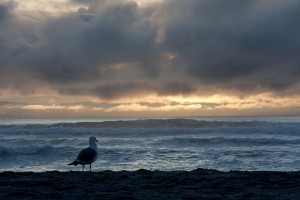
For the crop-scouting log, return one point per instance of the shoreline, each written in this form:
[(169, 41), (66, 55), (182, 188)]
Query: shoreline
[(144, 184)]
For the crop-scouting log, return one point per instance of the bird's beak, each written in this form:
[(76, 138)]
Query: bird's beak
[(96, 140)]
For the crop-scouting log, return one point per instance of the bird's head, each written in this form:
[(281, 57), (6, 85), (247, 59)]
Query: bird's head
[(93, 139)]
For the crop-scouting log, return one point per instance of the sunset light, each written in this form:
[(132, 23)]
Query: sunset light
[(143, 58), (149, 99)]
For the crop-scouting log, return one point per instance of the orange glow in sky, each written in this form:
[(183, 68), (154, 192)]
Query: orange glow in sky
[(126, 58)]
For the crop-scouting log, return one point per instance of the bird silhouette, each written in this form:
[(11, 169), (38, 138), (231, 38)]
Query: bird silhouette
[(88, 155)]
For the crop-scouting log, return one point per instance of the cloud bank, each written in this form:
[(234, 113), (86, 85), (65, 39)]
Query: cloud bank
[(115, 49)]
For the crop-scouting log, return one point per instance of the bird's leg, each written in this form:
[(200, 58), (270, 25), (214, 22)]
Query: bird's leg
[(83, 168), (90, 167)]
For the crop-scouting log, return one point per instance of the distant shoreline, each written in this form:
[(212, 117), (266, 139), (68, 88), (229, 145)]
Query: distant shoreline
[(144, 184)]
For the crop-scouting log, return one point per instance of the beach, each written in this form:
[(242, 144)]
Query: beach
[(206, 158), (144, 184)]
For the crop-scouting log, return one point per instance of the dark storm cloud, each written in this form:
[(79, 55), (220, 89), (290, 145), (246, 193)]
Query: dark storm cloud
[(175, 88), (74, 48), (5, 9), (236, 43), (115, 48), (118, 90), (110, 91)]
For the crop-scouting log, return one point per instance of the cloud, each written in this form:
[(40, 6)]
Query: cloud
[(109, 91), (10, 103), (236, 43), (116, 49), (5, 9)]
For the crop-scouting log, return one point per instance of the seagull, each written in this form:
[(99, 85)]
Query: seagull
[(87, 155)]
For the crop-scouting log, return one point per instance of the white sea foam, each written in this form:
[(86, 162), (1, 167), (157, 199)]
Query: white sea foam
[(28, 150)]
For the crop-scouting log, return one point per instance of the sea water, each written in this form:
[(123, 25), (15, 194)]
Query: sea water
[(222, 143)]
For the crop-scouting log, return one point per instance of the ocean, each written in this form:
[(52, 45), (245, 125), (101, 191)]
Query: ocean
[(222, 143)]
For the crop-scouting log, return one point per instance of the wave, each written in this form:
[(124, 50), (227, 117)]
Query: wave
[(219, 141), (29, 150), (146, 123), (153, 123), (151, 128)]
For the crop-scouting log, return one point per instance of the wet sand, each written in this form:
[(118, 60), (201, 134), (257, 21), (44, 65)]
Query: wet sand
[(143, 184)]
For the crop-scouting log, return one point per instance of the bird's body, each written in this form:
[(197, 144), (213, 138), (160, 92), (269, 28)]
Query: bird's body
[(88, 155)]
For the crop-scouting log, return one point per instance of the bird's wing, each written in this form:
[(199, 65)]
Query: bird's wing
[(87, 155)]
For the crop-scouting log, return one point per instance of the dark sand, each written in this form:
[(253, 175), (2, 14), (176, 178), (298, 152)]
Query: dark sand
[(143, 184)]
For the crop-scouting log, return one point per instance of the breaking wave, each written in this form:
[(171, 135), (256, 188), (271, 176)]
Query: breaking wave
[(219, 141), (29, 150)]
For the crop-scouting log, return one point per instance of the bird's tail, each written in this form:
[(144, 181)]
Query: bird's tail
[(74, 163)]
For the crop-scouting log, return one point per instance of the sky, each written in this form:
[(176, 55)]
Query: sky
[(149, 58)]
